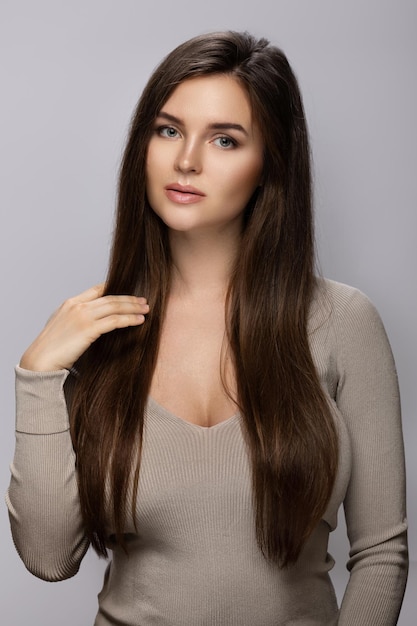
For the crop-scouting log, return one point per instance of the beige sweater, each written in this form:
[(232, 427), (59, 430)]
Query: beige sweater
[(194, 560)]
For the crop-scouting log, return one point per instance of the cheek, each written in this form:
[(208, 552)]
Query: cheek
[(151, 163), (245, 178), (154, 174), (156, 159), (151, 176)]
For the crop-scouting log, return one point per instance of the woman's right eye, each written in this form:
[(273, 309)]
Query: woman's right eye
[(168, 131)]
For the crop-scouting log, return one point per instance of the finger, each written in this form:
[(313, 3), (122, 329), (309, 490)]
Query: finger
[(90, 294), (113, 322), (117, 305), (124, 298), (96, 292)]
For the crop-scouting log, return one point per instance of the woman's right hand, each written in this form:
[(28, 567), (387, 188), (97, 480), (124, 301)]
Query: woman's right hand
[(77, 323)]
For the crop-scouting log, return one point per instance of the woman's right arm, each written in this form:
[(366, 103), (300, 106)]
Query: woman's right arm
[(43, 502), (44, 511)]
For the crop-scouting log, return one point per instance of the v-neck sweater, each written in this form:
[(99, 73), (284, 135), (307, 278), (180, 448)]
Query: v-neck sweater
[(193, 559)]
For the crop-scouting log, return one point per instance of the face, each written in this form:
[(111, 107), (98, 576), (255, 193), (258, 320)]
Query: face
[(205, 156)]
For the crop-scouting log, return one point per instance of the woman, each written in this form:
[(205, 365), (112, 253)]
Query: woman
[(206, 412)]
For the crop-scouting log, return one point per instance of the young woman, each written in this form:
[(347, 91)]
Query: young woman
[(204, 415)]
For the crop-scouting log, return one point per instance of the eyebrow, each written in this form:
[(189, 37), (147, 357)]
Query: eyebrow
[(214, 126)]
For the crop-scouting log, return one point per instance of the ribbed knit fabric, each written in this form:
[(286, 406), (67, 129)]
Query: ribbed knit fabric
[(194, 560)]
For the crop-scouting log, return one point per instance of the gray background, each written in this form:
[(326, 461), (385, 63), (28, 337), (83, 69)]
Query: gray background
[(71, 73)]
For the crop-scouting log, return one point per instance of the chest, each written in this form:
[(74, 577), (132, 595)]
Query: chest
[(191, 477), (193, 366)]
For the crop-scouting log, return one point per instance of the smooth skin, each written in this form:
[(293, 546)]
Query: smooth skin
[(77, 323), (204, 162), (205, 137)]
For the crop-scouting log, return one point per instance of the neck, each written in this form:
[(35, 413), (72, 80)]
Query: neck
[(202, 264)]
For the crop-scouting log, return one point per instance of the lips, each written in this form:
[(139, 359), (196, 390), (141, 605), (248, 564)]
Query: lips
[(183, 194)]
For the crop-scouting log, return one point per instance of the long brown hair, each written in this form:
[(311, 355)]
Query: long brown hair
[(287, 420)]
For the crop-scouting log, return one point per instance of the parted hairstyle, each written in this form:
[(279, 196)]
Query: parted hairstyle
[(287, 421)]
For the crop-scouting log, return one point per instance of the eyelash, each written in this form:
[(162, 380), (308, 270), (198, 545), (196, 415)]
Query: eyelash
[(162, 130), (233, 143)]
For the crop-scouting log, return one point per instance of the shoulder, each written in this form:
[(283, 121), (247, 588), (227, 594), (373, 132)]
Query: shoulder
[(340, 295), (349, 321), (349, 344), (342, 305)]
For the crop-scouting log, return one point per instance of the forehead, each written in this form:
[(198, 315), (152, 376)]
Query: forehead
[(217, 97)]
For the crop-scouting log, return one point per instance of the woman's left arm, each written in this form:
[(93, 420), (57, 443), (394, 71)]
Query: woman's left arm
[(375, 512)]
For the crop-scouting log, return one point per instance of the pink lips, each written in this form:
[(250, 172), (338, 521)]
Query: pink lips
[(183, 194)]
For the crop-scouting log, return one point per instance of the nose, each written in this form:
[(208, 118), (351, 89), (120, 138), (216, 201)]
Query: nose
[(188, 158)]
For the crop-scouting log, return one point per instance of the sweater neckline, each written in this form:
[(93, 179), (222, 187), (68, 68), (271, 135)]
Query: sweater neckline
[(157, 409)]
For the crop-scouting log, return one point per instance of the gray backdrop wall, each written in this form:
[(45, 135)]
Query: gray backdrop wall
[(70, 75)]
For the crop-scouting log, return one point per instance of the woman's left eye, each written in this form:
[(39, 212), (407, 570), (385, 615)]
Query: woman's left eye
[(225, 142)]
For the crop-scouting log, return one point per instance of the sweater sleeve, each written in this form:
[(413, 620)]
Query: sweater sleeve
[(368, 398), (42, 498)]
